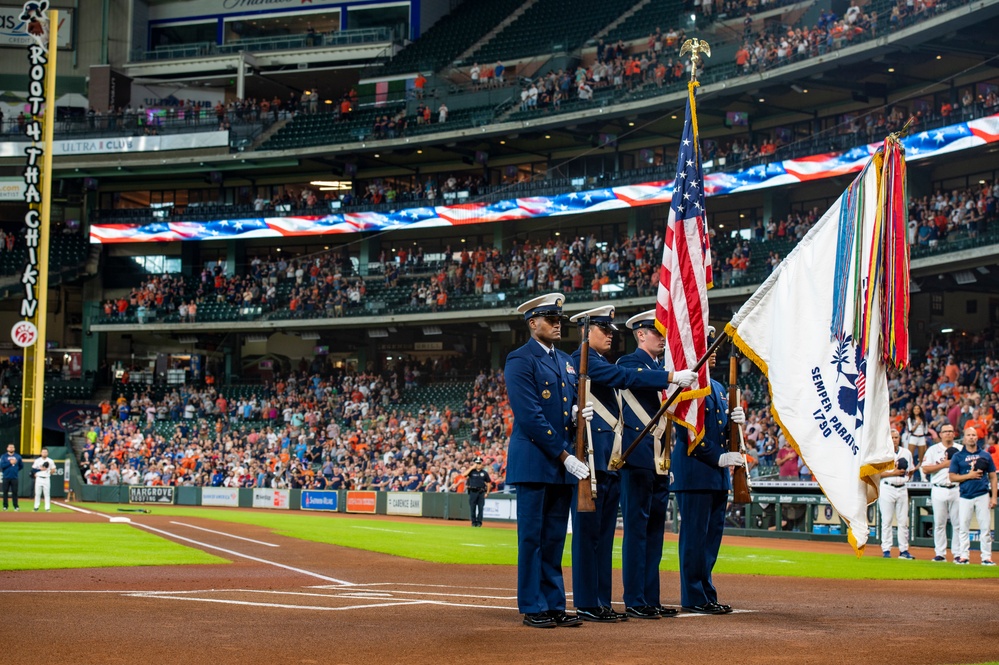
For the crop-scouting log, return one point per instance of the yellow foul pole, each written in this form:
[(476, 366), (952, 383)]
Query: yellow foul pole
[(30, 332)]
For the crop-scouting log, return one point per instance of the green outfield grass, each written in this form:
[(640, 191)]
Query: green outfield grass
[(458, 543), (43, 546)]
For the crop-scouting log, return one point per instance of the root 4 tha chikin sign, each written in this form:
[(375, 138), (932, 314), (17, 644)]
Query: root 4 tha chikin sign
[(29, 333)]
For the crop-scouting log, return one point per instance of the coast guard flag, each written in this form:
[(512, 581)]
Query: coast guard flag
[(685, 277), (824, 326)]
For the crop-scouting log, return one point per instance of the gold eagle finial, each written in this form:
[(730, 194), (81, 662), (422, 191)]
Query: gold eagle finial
[(695, 47)]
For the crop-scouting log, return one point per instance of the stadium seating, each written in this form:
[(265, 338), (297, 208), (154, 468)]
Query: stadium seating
[(664, 15), (450, 37), (550, 26), (325, 129)]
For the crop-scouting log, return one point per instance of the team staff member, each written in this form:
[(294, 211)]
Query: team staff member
[(893, 499), (10, 468), (42, 469), (700, 482), (541, 384), (944, 494), (974, 469), (478, 486), (644, 479), (593, 533)]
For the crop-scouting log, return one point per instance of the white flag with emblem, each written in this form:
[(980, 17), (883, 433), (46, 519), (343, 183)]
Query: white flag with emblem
[(815, 328)]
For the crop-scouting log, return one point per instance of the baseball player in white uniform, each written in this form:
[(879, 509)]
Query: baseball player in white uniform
[(944, 493), (43, 467), (893, 500)]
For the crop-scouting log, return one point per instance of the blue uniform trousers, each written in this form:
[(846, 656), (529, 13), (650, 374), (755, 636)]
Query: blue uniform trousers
[(702, 521), (593, 544), (644, 496), (542, 518)]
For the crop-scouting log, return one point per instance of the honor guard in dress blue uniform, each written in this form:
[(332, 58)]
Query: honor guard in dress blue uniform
[(541, 384), (700, 482), (593, 533), (644, 479)]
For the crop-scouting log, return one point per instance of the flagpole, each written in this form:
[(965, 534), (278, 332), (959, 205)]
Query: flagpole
[(617, 462)]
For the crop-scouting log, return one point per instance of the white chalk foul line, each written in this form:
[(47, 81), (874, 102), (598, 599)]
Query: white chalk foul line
[(687, 615), (244, 556), (285, 605), (79, 510), (223, 533)]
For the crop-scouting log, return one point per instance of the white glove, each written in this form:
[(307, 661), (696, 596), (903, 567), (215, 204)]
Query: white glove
[(576, 468), (684, 377), (737, 415), (731, 459), (588, 411)]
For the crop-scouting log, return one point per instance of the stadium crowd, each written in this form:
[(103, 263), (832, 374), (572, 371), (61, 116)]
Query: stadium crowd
[(342, 431), (314, 283), (319, 282)]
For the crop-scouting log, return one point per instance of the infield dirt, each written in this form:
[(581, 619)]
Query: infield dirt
[(395, 610)]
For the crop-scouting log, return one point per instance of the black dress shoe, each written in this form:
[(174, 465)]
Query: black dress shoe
[(539, 620), (643, 612), (667, 611), (563, 620), (597, 614), (707, 608), (727, 608), (620, 616)]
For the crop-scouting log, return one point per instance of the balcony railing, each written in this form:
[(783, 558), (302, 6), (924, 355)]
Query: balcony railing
[(264, 44)]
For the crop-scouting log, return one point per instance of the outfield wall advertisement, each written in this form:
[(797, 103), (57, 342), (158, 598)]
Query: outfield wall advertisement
[(319, 500), (500, 509), (404, 503), (362, 502), (265, 498), (220, 496), (138, 494)]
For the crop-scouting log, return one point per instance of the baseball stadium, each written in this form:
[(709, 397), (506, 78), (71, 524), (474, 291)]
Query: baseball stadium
[(416, 331)]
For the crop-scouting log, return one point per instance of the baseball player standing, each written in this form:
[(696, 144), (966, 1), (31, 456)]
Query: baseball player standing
[(944, 493), (893, 500), (974, 469), (42, 469)]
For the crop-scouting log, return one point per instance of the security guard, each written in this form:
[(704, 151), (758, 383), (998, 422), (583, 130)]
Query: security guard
[(478, 484), (593, 533), (700, 481), (541, 384), (644, 479)]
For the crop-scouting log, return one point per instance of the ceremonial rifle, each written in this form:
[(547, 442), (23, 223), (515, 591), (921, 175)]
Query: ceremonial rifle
[(740, 477), (584, 448)]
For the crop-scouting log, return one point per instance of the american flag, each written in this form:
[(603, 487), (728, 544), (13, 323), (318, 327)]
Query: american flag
[(684, 279)]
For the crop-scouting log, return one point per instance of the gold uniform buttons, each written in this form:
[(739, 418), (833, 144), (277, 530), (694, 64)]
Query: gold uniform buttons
[(565, 413), (549, 432), (565, 399)]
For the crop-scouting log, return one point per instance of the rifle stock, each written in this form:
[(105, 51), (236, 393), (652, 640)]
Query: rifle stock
[(740, 480), (584, 493)]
